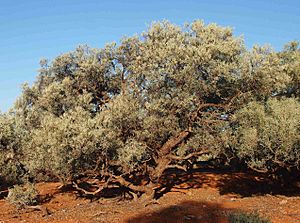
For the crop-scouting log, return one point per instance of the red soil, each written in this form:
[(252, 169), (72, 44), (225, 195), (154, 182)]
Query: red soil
[(203, 198)]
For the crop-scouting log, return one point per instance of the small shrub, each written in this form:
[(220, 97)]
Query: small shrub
[(22, 196), (247, 218)]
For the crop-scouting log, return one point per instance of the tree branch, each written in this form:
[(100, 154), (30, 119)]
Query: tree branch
[(93, 193), (175, 166), (173, 157), (173, 142)]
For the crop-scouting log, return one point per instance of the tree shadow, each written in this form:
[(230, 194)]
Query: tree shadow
[(3, 194), (187, 211), (245, 184), (3, 189), (122, 193)]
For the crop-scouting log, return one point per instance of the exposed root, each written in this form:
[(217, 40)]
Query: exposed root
[(93, 193)]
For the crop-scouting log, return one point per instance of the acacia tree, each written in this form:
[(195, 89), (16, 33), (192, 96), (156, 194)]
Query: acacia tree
[(125, 114)]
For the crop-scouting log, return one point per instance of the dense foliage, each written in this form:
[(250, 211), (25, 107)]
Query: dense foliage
[(126, 113), (268, 135)]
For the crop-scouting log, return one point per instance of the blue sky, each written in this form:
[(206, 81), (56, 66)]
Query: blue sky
[(35, 29)]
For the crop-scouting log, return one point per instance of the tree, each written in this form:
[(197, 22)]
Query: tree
[(125, 114)]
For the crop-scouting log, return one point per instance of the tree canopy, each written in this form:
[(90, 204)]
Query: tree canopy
[(126, 113)]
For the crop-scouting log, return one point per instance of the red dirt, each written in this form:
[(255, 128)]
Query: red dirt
[(204, 198)]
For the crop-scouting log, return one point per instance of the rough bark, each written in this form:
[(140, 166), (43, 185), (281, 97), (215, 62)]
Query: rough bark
[(164, 153)]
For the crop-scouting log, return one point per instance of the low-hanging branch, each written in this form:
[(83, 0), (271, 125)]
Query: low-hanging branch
[(189, 156)]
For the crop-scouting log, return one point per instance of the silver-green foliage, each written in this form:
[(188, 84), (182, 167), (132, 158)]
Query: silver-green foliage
[(22, 196), (268, 134), (122, 131), (95, 109), (65, 145), (10, 142)]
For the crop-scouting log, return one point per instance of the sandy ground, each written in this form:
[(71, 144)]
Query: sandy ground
[(202, 198)]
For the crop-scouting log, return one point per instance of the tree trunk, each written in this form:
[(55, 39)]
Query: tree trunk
[(163, 161)]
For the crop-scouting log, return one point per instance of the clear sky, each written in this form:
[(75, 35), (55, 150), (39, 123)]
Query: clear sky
[(35, 29)]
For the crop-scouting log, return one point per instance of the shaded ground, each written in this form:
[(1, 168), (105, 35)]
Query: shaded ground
[(204, 196)]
